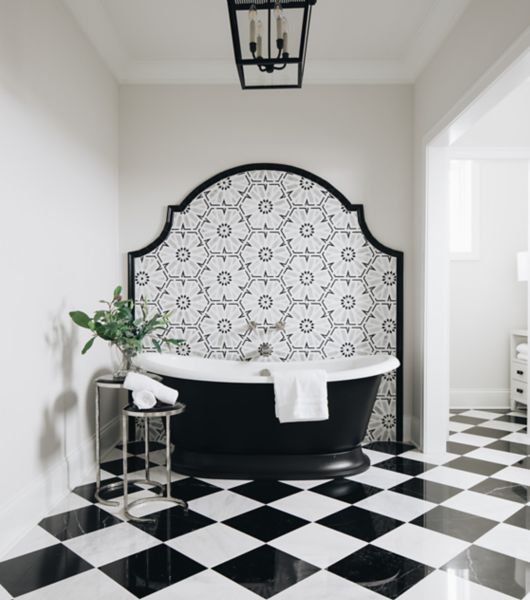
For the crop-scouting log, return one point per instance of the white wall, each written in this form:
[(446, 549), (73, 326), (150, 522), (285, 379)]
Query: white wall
[(476, 51), (487, 301), (357, 137), (59, 249)]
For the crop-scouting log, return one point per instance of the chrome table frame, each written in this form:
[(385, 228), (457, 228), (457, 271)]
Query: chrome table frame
[(166, 413), (110, 383)]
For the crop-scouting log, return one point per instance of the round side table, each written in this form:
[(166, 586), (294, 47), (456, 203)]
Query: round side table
[(160, 410), (109, 382)]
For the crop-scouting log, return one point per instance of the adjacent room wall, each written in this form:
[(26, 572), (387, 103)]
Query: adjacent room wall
[(469, 60), (487, 301), (357, 137), (59, 248)]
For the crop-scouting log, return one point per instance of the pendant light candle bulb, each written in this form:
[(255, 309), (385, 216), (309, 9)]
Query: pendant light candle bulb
[(252, 31), (252, 13), (277, 9), (279, 30), (285, 47), (285, 25)]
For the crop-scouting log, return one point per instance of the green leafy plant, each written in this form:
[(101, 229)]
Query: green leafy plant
[(118, 324)]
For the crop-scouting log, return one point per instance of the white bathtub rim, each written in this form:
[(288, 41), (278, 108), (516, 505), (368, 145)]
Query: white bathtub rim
[(196, 368)]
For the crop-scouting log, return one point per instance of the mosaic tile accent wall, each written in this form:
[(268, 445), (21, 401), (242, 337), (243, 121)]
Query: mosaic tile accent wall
[(270, 245)]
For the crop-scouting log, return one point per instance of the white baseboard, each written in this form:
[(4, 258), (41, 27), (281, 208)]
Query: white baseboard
[(479, 398), (23, 511)]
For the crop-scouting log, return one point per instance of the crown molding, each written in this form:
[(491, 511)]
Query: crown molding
[(97, 26)]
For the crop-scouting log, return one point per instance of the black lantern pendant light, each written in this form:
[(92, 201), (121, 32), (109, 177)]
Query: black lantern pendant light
[(270, 41)]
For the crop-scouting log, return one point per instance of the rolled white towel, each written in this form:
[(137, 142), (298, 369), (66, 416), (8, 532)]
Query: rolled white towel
[(522, 356), (137, 382), (522, 348), (143, 399)]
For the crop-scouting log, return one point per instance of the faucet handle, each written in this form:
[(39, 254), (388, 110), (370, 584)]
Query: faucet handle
[(252, 326), (280, 326)]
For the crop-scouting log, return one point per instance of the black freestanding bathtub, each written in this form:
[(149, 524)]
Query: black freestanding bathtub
[(229, 428)]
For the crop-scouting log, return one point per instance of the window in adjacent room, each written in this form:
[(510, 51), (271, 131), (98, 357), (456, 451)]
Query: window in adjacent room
[(463, 210)]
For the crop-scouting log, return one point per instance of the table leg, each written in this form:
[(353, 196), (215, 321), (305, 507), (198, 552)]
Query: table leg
[(146, 445)]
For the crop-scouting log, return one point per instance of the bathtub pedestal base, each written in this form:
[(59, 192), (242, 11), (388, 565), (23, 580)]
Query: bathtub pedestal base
[(270, 466)]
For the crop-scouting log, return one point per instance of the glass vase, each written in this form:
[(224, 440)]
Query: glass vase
[(122, 362)]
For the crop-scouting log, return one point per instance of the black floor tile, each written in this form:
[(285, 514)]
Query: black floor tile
[(88, 491), (133, 464), (523, 463), (506, 446), (265, 491), (503, 489), (512, 419), (265, 523), (266, 571), (74, 523), (487, 432), (473, 465), (426, 490), (457, 448), (37, 569), (455, 523), (360, 523), (151, 570), (463, 419), (346, 490), (390, 447), (139, 447), (191, 488), (172, 522), (490, 569), (521, 518), (381, 571), (405, 465)]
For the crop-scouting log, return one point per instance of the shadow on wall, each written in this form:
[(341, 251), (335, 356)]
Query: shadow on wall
[(62, 341)]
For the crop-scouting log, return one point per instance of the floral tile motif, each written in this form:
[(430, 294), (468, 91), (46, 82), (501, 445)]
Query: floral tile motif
[(269, 246)]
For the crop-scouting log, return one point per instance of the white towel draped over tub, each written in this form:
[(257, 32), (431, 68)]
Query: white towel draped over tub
[(141, 383), (300, 395)]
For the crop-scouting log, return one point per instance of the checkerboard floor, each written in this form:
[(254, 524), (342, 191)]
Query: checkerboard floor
[(410, 527)]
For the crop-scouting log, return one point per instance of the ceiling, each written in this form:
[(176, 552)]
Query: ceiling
[(188, 41)]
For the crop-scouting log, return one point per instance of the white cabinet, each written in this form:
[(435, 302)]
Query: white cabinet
[(518, 369)]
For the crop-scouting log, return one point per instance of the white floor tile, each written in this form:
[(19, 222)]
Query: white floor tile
[(206, 585), (470, 439), (457, 426), (375, 456), (223, 505), (507, 539), (421, 544), (90, 585), (381, 478), (309, 505), (111, 543), (327, 586), (514, 475), (502, 425), (483, 505), (480, 414), (210, 546), (36, 539), (453, 477), (433, 459), (317, 545), (518, 438), (495, 456), (305, 484), (71, 502), (440, 585), (226, 484), (397, 506)]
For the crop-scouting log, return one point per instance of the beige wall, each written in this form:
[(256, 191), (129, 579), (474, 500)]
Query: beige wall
[(58, 242), (357, 137)]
